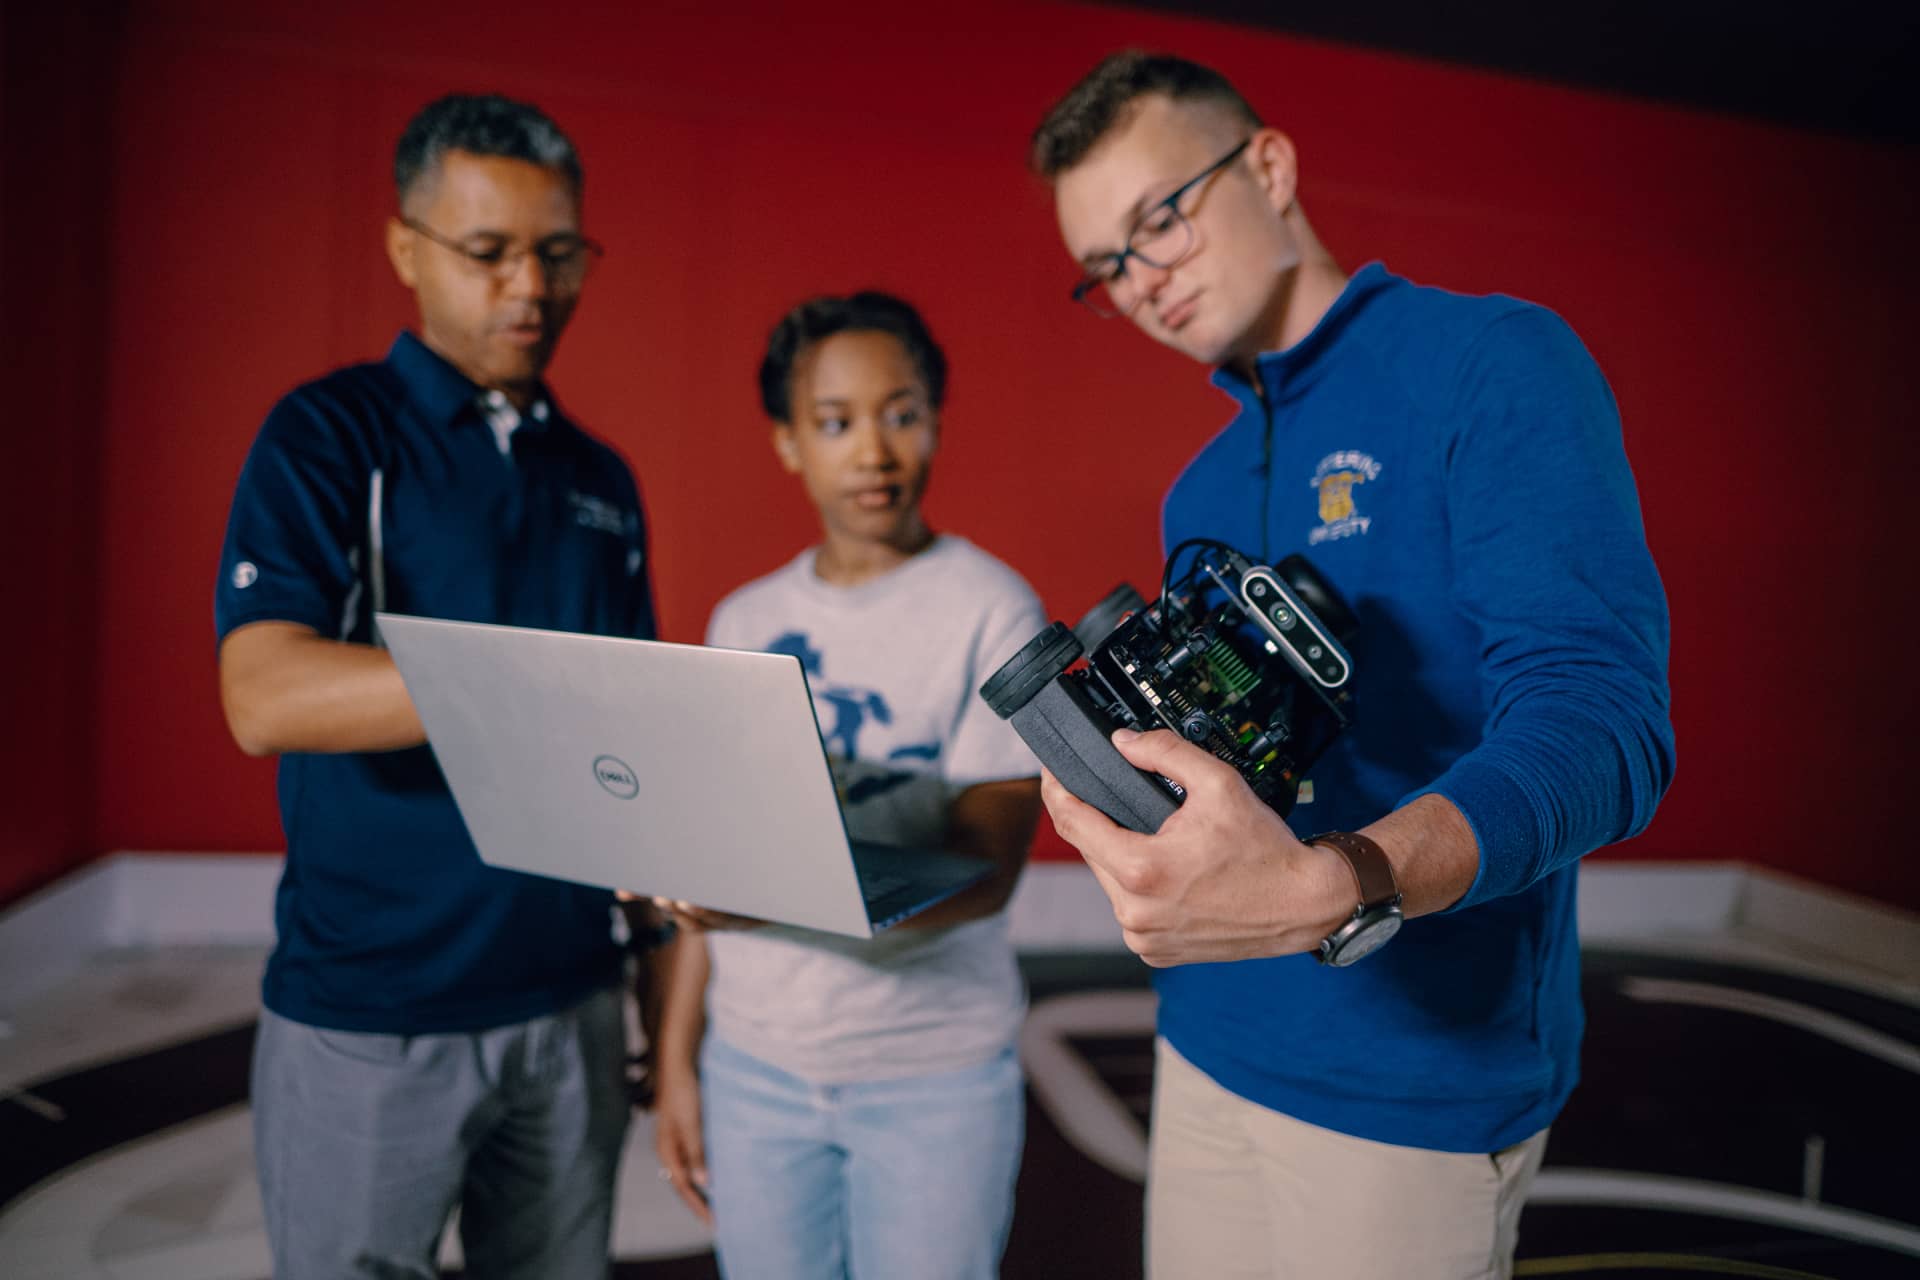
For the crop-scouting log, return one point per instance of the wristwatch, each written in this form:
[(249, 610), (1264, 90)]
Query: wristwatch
[(1378, 917)]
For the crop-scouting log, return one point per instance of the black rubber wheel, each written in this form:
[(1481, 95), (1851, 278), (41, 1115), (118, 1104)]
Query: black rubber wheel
[(1027, 672), (1100, 621)]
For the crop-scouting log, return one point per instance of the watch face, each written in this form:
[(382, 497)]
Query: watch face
[(1361, 938)]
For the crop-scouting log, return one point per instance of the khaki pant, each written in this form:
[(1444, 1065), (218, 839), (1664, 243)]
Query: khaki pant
[(1234, 1189)]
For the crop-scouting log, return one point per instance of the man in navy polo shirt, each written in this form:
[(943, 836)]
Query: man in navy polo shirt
[(1454, 464), (437, 1033)]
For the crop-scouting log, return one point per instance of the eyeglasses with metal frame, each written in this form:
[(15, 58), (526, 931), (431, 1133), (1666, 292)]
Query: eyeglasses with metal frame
[(564, 259), (1161, 237)]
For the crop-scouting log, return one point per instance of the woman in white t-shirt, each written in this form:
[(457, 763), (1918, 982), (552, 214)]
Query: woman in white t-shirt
[(840, 1107)]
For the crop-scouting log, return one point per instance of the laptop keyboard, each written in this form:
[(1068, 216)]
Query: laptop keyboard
[(874, 885)]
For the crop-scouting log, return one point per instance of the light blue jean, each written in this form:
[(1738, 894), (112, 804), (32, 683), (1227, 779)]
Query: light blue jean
[(907, 1179)]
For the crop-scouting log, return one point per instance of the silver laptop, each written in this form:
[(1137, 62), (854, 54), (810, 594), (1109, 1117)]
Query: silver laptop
[(669, 770)]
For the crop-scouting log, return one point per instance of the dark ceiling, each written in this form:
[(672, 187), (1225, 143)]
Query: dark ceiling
[(1841, 66)]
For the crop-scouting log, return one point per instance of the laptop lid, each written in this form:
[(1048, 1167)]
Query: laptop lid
[(674, 770)]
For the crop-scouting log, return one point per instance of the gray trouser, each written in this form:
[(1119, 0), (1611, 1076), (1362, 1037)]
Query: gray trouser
[(366, 1143)]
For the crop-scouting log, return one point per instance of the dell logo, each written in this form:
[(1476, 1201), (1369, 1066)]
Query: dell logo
[(612, 773)]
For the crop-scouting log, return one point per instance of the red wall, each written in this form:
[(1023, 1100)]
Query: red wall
[(55, 104), (1743, 286)]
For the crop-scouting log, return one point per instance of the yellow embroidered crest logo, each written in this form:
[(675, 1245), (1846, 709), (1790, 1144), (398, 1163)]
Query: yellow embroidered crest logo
[(1336, 495), (1334, 480)]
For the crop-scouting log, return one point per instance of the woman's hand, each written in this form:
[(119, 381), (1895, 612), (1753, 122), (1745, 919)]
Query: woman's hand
[(678, 1138), (705, 919)]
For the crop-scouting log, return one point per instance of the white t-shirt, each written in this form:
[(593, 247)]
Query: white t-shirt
[(894, 664)]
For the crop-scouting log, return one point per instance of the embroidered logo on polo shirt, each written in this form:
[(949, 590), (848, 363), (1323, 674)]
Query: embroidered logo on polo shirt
[(597, 513), (245, 575), (1334, 480)]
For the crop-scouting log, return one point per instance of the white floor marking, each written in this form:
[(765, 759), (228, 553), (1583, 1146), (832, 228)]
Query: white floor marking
[(1829, 1026)]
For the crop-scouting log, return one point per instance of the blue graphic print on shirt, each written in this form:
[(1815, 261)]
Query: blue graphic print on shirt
[(853, 709)]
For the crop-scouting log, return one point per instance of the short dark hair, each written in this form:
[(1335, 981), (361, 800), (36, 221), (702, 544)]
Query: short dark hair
[(865, 312), (1105, 98), (484, 124)]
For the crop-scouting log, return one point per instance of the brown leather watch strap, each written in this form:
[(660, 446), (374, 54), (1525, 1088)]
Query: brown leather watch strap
[(1371, 869)]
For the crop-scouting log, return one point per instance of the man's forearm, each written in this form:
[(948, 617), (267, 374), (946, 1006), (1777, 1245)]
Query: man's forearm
[(284, 688), (1434, 857), (1434, 854), (1224, 878), (1559, 778)]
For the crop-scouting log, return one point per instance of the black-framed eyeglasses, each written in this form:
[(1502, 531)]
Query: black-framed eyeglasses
[(564, 259), (1161, 237)]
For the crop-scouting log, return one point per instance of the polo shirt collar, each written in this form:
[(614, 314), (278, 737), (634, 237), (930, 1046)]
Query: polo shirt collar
[(442, 392), (505, 418)]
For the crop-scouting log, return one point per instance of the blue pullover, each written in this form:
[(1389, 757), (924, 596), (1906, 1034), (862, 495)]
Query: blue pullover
[(1454, 466)]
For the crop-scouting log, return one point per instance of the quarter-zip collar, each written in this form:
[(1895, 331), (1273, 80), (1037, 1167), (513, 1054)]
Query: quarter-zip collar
[(1286, 374)]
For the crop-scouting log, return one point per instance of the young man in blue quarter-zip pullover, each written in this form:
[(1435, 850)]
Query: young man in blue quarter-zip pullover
[(1454, 465)]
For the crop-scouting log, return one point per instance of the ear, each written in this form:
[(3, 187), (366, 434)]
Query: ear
[(785, 447), (401, 244), (1277, 167)]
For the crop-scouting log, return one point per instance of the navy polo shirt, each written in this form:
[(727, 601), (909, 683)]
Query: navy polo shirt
[(387, 482)]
